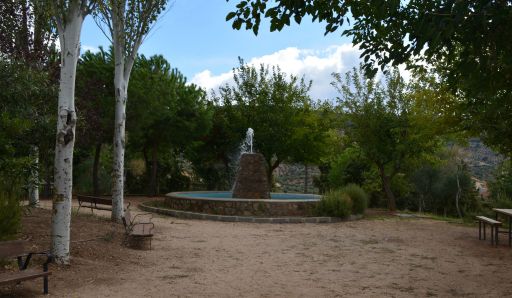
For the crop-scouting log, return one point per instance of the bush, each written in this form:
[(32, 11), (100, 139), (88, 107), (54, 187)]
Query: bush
[(358, 197), (10, 215), (334, 203)]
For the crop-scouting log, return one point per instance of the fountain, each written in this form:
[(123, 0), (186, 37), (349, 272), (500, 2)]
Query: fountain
[(251, 179), (249, 198)]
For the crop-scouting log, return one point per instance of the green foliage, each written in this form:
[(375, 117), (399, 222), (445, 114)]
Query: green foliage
[(10, 215), (167, 115), (435, 187), (501, 187), (381, 122), (466, 41), (334, 203), (348, 167), (358, 197)]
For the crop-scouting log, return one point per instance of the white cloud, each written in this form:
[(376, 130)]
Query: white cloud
[(85, 48), (316, 65)]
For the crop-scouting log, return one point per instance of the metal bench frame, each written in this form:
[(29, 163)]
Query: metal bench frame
[(23, 260), (130, 223), (494, 224)]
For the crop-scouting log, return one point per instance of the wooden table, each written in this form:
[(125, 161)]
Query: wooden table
[(507, 213)]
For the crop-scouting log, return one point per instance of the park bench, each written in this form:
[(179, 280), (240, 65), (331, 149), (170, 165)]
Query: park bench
[(16, 249), (94, 203), (494, 224), (138, 229)]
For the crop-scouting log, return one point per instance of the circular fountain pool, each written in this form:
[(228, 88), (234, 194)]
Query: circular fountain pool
[(221, 203)]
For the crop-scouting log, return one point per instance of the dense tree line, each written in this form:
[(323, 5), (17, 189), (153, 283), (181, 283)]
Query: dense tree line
[(394, 138)]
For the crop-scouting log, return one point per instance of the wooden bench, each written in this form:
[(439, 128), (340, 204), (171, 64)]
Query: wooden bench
[(494, 224), (138, 229), (94, 203), (16, 249)]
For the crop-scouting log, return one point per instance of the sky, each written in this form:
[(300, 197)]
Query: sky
[(195, 38)]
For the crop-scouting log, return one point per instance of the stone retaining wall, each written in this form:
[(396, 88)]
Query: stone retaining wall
[(252, 219), (241, 207)]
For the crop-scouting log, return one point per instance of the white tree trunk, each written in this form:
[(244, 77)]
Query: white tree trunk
[(33, 190), (69, 36), (121, 87)]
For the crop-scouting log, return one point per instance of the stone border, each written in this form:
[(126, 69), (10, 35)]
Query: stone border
[(230, 218), (301, 206)]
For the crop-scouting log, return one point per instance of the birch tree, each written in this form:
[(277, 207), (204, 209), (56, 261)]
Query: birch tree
[(69, 16), (128, 22)]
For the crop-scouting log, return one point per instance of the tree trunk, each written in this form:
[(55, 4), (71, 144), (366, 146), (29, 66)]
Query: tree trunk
[(69, 36), (306, 178), (33, 191), (121, 86), (154, 170), (95, 169), (457, 196), (386, 184), (270, 171)]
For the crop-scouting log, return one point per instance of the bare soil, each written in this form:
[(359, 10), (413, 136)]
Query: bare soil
[(381, 256)]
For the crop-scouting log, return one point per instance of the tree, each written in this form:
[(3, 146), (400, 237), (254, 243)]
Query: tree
[(96, 101), (27, 41), (128, 23), (27, 33), (279, 110), (69, 16), (467, 41), (168, 114), (379, 120), (213, 157)]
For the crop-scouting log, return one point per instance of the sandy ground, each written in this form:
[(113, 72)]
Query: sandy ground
[(376, 257)]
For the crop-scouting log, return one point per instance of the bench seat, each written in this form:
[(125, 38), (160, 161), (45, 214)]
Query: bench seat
[(10, 277), (494, 224), (92, 202), (488, 220)]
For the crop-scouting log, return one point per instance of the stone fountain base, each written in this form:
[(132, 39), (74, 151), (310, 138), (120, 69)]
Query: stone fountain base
[(251, 180)]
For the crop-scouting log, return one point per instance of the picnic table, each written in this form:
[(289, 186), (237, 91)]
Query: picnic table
[(507, 213)]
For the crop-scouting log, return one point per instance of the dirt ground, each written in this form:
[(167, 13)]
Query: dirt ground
[(377, 257)]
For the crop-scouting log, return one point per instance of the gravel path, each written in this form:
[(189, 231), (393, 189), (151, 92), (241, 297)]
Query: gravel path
[(389, 257)]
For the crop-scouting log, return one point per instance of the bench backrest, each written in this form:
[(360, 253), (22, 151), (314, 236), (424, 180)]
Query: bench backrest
[(95, 200), (11, 249), (127, 219)]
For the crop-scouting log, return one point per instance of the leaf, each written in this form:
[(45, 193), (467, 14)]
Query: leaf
[(230, 16)]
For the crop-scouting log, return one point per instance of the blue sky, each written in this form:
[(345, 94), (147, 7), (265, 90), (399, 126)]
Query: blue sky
[(194, 37)]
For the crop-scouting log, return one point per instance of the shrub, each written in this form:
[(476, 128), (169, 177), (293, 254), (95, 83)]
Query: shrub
[(358, 197), (334, 203), (10, 215)]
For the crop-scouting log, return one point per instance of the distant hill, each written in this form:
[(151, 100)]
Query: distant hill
[(292, 178), (482, 160)]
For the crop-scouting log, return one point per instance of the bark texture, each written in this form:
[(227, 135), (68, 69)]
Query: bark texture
[(33, 191), (121, 86), (154, 171), (69, 36), (95, 170), (386, 184)]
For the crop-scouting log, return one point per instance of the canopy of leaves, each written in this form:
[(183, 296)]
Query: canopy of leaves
[(467, 41), (278, 108)]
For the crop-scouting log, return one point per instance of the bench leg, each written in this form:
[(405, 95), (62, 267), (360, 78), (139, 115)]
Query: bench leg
[(509, 231), (496, 231), (492, 234), (479, 230), (45, 285), (485, 229), (45, 279)]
